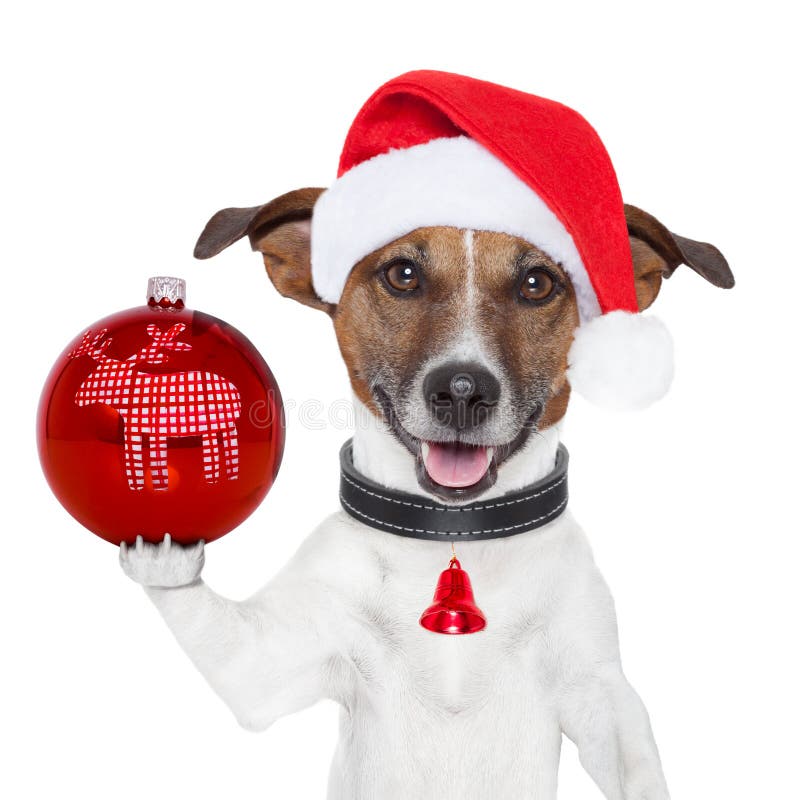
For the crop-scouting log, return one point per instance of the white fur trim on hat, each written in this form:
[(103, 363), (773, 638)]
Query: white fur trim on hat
[(451, 181), (621, 361)]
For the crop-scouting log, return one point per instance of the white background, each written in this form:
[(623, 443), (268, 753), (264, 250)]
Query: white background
[(126, 126)]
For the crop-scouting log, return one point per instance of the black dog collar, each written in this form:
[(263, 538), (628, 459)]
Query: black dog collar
[(421, 518)]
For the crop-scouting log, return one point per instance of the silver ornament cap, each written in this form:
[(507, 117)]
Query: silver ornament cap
[(166, 291)]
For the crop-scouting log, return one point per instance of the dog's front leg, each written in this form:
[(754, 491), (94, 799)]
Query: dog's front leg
[(265, 656), (608, 722)]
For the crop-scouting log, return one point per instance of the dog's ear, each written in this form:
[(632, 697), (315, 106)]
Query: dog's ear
[(657, 253), (281, 230)]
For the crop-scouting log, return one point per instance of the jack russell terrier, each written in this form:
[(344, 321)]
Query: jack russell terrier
[(476, 260)]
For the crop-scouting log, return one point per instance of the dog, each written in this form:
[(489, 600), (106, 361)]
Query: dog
[(457, 343)]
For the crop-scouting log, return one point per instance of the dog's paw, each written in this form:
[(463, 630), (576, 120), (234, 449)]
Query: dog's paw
[(164, 564)]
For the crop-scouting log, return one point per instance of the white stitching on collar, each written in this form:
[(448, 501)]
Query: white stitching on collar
[(356, 511)]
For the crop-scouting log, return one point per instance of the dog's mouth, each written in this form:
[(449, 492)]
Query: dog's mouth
[(453, 470), (456, 465)]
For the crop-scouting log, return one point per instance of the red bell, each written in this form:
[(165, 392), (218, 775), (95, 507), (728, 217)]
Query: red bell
[(453, 609)]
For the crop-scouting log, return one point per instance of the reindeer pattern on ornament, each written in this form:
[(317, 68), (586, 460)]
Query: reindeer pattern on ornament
[(157, 407)]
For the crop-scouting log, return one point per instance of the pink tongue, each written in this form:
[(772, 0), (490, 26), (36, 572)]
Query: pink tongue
[(456, 465)]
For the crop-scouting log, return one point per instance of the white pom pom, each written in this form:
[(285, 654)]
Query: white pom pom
[(621, 361)]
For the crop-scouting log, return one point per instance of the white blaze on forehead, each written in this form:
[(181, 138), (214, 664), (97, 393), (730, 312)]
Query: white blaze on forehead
[(467, 344), (469, 251), (471, 290)]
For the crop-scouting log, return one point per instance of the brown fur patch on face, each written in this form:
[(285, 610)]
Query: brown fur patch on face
[(385, 337), (531, 340)]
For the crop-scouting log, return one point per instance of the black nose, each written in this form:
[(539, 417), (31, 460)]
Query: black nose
[(461, 395)]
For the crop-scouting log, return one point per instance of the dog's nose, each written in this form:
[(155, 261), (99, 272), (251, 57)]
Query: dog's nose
[(461, 395)]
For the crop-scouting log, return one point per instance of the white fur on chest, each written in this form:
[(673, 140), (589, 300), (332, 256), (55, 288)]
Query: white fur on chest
[(435, 706)]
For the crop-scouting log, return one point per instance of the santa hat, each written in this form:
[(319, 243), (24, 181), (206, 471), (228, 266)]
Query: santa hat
[(433, 148)]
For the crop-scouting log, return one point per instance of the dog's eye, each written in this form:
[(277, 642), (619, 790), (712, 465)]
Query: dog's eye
[(402, 276), (537, 285)]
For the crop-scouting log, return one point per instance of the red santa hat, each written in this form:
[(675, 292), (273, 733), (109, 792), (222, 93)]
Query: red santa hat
[(433, 148)]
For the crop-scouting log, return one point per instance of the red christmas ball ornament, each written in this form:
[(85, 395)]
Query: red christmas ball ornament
[(160, 420)]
